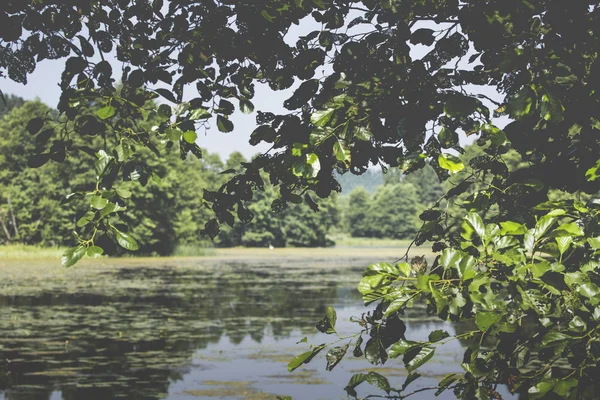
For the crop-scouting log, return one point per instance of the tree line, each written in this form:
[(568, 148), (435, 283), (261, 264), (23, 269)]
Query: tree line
[(172, 213)]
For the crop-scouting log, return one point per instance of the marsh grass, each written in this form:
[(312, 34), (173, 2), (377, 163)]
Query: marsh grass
[(187, 250), (343, 240), (27, 252)]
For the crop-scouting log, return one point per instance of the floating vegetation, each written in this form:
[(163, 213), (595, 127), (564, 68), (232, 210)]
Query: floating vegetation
[(304, 377), (132, 328)]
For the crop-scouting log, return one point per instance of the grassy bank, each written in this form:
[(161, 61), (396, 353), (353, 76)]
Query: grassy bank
[(374, 249), (26, 252), (342, 240)]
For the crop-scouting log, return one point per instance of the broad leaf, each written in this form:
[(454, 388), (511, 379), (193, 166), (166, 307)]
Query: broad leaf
[(72, 255)]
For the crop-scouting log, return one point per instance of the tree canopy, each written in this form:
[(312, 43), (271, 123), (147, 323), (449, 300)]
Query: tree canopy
[(523, 268)]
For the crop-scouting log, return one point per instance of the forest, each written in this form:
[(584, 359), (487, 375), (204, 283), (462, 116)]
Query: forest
[(171, 213)]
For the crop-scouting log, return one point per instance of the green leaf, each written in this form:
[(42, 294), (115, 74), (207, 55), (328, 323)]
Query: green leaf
[(413, 376), (38, 160), (591, 291), (564, 387), (563, 243), (320, 4), (486, 319), (446, 381), (397, 304), (246, 106), (338, 150), (263, 133), (267, 16), (477, 224), (85, 219), (553, 337), (35, 125), (570, 229), (450, 163), (190, 136), (438, 335), (322, 117), (164, 112), (224, 124), (519, 105), (594, 242), (577, 324), (199, 113), (106, 112), (334, 356), (541, 388), (374, 351), (419, 359), (542, 226), (98, 202), (551, 109), (122, 151), (331, 315), (167, 95), (102, 163), (304, 358), (123, 193), (72, 255), (226, 107), (372, 377), (404, 268), (327, 323), (125, 240), (109, 209), (71, 197), (368, 283), (450, 258), (299, 360), (594, 172), (401, 347), (173, 134), (94, 251), (423, 36)]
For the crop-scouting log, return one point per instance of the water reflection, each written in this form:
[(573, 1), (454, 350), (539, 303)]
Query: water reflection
[(179, 332)]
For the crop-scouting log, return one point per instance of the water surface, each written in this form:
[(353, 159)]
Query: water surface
[(185, 329)]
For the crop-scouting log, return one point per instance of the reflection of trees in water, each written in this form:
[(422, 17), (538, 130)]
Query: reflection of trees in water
[(128, 341)]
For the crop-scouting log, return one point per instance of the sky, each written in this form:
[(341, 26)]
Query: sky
[(44, 84)]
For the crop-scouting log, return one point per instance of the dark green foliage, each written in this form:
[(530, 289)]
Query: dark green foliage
[(515, 254), (296, 225)]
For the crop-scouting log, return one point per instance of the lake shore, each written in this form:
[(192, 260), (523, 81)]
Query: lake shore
[(372, 251)]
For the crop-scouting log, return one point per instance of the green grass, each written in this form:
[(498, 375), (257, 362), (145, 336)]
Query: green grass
[(187, 250), (27, 252)]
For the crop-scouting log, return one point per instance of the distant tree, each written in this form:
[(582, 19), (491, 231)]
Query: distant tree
[(235, 160), (393, 211), (357, 214), (369, 181), (12, 101), (29, 198), (426, 181)]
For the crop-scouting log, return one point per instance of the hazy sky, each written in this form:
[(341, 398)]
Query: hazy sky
[(44, 84)]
